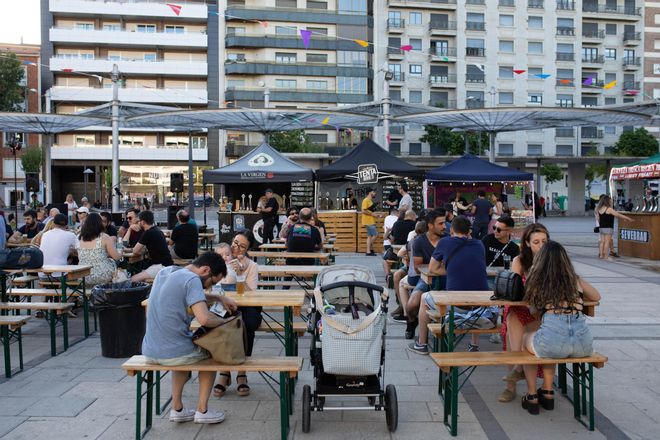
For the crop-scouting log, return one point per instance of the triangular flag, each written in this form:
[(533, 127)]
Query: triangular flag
[(264, 24), (565, 81), (519, 71), (406, 48), (362, 43), (589, 81), (479, 66), (389, 139), (609, 85), (632, 92), (445, 59), (175, 8), (306, 36), (325, 121), (68, 69), (29, 63), (542, 75)]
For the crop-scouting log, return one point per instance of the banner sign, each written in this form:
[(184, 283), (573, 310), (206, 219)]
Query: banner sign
[(651, 171), (367, 174), (636, 235)]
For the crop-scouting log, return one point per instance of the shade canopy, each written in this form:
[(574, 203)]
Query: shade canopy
[(263, 164), (366, 153), (397, 108), (470, 168), (257, 120), (648, 168), (126, 110), (45, 123)]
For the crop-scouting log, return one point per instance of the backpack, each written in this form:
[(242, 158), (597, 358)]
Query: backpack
[(21, 258)]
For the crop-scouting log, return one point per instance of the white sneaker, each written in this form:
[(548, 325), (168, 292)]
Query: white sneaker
[(495, 338), (185, 415), (210, 416)]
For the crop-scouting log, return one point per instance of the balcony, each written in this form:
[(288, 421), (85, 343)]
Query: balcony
[(397, 77), (396, 25), (475, 78), (84, 37), (507, 3), (565, 82), (296, 69), (135, 9), (475, 52), (156, 153), (296, 95), (535, 4), (424, 4), (631, 85), (590, 133), (474, 103), (632, 63), (398, 131), (442, 27), (139, 67), (296, 15), (475, 26), (442, 81), (475, 2), (632, 38), (593, 35), (394, 54), (612, 12), (565, 31), (442, 103), (565, 5), (566, 56), (564, 132), (144, 95), (593, 59), (317, 42), (596, 86), (443, 53)]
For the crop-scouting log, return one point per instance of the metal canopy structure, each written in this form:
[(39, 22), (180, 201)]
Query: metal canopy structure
[(255, 120), (397, 108), (126, 110), (46, 123)]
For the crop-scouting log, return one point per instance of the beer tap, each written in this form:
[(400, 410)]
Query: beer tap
[(243, 201), (250, 200)]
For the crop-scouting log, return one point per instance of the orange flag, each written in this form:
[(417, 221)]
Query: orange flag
[(362, 43)]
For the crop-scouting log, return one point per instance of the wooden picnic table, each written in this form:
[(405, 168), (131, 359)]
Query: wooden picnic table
[(321, 257), (429, 277), (282, 246), (19, 245), (288, 271)]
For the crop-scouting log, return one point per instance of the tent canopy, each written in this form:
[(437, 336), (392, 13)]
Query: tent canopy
[(470, 168), (648, 168), (368, 152), (45, 123), (263, 164)]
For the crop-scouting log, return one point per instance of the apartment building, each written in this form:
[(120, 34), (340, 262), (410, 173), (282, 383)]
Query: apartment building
[(470, 54), (166, 56), (651, 62)]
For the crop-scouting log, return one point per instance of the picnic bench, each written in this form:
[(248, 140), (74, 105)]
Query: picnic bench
[(56, 312), (289, 271), (10, 330), (287, 367), (320, 257)]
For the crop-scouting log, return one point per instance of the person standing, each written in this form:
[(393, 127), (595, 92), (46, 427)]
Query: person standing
[(71, 207), (482, 211), (35, 203), (406, 202), (269, 216), (605, 214), (369, 220)]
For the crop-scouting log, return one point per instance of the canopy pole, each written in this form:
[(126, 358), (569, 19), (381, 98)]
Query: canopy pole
[(191, 179), (204, 200), (608, 166), (425, 189), (48, 163), (491, 150), (115, 190)]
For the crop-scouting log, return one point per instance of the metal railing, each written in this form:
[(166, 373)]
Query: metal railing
[(442, 103), (510, 3), (632, 36), (535, 4), (600, 34), (566, 5), (565, 30), (565, 82), (475, 26), (565, 56), (632, 61), (435, 80), (442, 26), (398, 76), (475, 52), (564, 132), (564, 103), (396, 23), (475, 78), (586, 133), (606, 9), (475, 103), (593, 59), (443, 51), (631, 85)]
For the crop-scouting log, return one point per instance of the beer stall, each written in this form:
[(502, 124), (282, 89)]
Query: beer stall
[(639, 182), (341, 188)]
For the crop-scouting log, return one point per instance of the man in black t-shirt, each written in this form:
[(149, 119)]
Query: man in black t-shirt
[(482, 210), (108, 227), (184, 240), (499, 243), (269, 216), (303, 237), (152, 241), (402, 228)]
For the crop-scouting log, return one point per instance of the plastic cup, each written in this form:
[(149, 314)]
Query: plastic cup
[(240, 284)]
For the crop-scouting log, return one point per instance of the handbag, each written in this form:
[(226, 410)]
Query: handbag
[(508, 286), (390, 255), (596, 229), (21, 258), (226, 343)]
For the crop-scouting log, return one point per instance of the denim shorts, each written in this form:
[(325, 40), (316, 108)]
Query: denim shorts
[(371, 230), (198, 354), (563, 336)]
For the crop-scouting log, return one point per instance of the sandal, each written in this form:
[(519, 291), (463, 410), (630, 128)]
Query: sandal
[(547, 404), (507, 396), (219, 389), (531, 407), (243, 389)]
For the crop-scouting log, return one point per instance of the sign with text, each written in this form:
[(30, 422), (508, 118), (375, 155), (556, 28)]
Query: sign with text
[(636, 235), (367, 174)]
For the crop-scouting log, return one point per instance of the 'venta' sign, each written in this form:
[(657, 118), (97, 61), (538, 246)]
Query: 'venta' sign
[(367, 174), (638, 235)]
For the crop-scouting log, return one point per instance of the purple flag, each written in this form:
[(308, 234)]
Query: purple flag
[(589, 81), (306, 36)]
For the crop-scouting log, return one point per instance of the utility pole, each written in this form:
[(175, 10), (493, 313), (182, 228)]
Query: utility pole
[(48, 163), (115, 191), (387, 77), (191, 180)]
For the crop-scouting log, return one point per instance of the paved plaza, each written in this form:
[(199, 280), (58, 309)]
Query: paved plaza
[(81, 395)]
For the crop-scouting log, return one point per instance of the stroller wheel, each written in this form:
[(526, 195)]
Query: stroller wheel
[(306, 408), (391, 408)]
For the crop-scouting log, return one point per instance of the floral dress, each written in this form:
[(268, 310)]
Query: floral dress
[(103, 267)]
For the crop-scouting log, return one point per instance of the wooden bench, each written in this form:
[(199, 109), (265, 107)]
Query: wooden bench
[(287, 367), (582, 374), (57, 312), (289, 283), (10, 328), (437, 330), (24, 280)]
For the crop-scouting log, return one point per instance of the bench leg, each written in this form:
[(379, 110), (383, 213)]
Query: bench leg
[(561, 378), (4, 329), (52, 322), (20, 347), (590, 378), (285, 404), (576, 391), (451, 388), (85, 301), (65, 330)]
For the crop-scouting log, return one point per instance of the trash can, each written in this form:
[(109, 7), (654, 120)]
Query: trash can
[(122, 319)]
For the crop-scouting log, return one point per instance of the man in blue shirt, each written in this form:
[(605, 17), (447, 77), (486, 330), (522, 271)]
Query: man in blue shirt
[(168, 339), (482, 211)]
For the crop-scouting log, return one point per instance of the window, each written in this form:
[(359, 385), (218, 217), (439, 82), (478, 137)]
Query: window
[(318, 137), (83, 140), (355, 7), (531, 71), (170, 29), (506, 46), (318, 30), (415, 18), (535, 98), (85, 26), (130, 141), (416, 43), (415, 96), (394, 19), (415, 149), (285, 58), (351, 58), (565, 73), (235, 30), (317, 58), (147, 28), (610, 101), (610, 29), (347, 84), (505, 149), (150, 57), (396, 71), (286, 30), (535, 22), (564, 150), (415, 70), (609, 77), (610, 130), (285, 83), (506, 98), (535, 48), (112, 27), (317, 85), (311, 4), (235, 83), (506, 72), (506, 20), (236, 57), (534, 150), (610, 53)]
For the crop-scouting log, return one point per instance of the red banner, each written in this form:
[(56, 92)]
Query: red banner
[(651, 171)]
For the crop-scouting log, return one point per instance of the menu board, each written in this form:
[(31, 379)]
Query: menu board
[(302, 194), (415, 189)]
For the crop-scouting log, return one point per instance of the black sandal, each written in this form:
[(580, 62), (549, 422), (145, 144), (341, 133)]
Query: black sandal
[(547, 404), (531, 407), (219, 390), (243, 389)]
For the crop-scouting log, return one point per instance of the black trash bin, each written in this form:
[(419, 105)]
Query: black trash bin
[(122, 318)]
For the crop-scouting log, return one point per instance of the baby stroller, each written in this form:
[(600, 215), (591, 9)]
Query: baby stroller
[(347, 319)]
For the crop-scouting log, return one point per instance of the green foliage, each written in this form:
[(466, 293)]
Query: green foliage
[(295, 141), (31, 160), (552, 173), (11, 73), (107, 177), (636, 143), (594, 170), (454, 142)]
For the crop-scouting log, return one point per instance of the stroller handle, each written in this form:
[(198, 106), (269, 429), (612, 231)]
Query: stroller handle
[(352, 283)]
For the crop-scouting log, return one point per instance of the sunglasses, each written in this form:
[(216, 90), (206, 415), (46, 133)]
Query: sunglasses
[(501, 230)]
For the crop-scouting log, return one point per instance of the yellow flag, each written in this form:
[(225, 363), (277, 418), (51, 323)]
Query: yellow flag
[(326, 120), (610, 85), (362, 43)]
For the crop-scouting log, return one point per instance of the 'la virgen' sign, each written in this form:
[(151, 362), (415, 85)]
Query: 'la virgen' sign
[(367, 174)]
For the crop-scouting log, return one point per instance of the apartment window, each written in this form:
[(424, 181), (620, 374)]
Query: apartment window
[(394, 19), (356, 7), (609, 77), (506, 46), (396, 71), (318, 30), (415, 18), (610, 29), (534, 150), (317, 85), (416, 43), (610, 101), (505, 98), (415, 148), (564, 100), (505, 149), (316, 5), (564, 150), (351, 85), (351, 58), (415, 70), (147, 28), (285, 83), (610, 130), (150, 57), (112, 27), (170, 29), (565, 73), (84, 26), (235, 30), (531, 71), (235, 57), (84, 140), (535, 48), (317, 58), (506, 72), (415, 96), (610, 53), (235, 83), (130, 141), (286, 30), (286, 3), (535, 22), (535, 98), (286, 58), (565, 26), (506, 20)]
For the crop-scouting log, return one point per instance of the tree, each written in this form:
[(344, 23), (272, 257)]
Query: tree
[(294, 141), (593, 171), (11, 73), (636, 143), (31, 160), (454, 142)]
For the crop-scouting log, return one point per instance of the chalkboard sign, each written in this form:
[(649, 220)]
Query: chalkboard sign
[(415, 189), (302, 194)]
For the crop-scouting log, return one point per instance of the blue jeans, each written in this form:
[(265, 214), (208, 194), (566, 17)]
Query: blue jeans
[(563, 336)]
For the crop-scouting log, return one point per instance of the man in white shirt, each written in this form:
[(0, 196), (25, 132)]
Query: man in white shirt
[(57, 244), (406, 202)]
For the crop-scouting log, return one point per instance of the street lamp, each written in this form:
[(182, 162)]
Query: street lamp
[(491, 136), (15, 144), (86, 174)]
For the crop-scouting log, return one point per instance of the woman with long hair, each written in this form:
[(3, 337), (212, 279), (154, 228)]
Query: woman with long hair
[(71, 207), (515, 320), (97, 249), (605, 215), (555, 295), (496, 201)]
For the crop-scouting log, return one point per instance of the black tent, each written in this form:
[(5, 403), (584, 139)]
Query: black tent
[(368, 152), (470, 168), (263, 164)]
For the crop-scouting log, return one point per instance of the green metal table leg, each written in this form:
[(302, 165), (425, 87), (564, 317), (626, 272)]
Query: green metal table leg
[(52, 322), (288, 331), (561, 378), (590, 378), (583, 383), (5, 345), (454, 401), (138, 407), (157, 385), (20, 347), (85, 309), (150, 398), (447, 399), (576, 391), (284, 405), (65, 330)]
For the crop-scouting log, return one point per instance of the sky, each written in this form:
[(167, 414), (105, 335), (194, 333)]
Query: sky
[(20, 18)]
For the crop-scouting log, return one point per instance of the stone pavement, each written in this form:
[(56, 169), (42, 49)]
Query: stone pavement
[(80, 394)]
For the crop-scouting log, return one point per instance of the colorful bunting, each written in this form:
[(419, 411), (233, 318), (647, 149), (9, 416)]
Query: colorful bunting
[(362, 43), (445, 58), (609, 85), (306, 36), (175, 8), (326, 120), (406, 48), (589, 81), (67, 70), (565, 81), (543, 75), (519, 71), (263, 24)]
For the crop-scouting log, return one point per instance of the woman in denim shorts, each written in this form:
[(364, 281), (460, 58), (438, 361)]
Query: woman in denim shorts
[(555, 293)]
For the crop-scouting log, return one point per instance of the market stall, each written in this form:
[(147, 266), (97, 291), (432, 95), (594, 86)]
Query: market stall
[(468, 175), (638, 184), (245, 182), (341, 188)]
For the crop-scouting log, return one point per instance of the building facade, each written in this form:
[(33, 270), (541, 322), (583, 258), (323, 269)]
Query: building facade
[(651, 60)]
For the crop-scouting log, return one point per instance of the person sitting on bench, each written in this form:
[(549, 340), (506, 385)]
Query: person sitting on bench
[(152, 241)]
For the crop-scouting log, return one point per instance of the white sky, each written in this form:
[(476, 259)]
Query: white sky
[(20, 18)]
